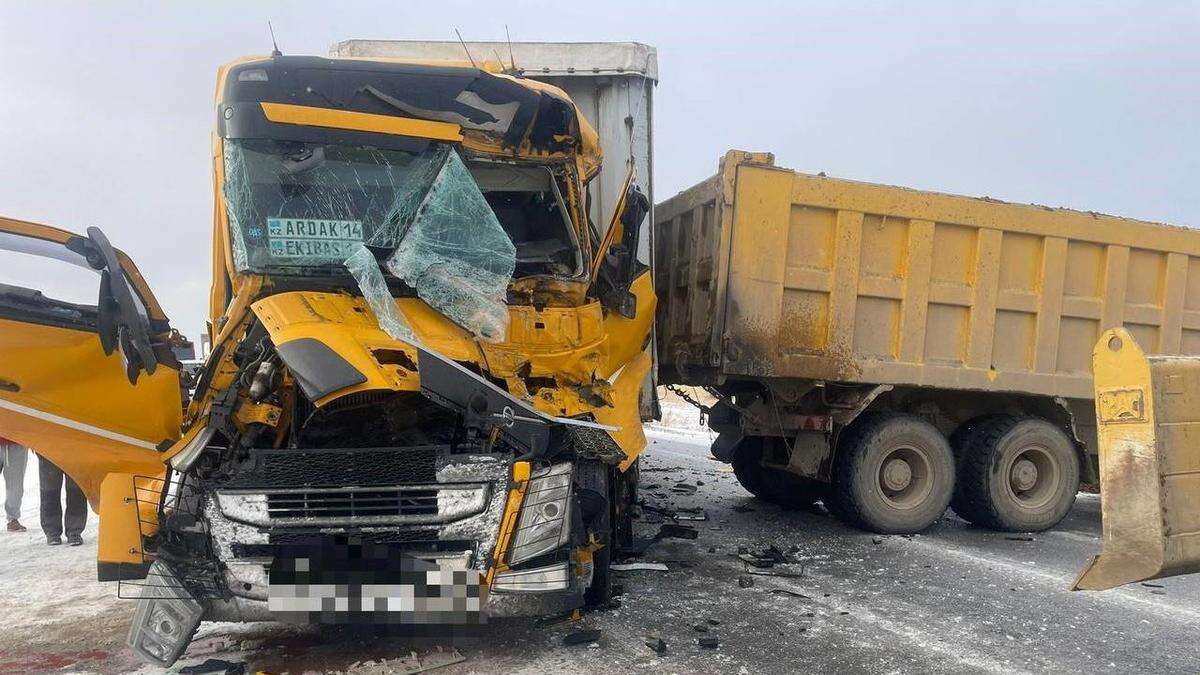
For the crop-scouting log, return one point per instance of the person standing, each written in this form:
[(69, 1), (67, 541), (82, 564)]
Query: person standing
[(54, 522), (13, 458)]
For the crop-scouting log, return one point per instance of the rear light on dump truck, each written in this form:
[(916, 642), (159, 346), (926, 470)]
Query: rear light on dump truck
[(543, 525)]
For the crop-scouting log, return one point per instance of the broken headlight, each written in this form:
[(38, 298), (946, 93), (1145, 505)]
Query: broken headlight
[(544, 524)]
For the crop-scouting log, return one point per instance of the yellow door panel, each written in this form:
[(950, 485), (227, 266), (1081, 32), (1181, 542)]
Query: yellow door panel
[(63, 397)]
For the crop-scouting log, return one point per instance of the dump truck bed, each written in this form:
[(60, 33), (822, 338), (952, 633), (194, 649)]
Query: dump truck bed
[(764, 272)]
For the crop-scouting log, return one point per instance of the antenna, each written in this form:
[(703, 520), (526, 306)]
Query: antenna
[(274, 45), (468, 51), (511, 59)]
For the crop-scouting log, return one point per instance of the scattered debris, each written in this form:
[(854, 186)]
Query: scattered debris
[(877, 540), (1019, 537), (582, 637), (214, 667), (672, 531), (745, 581), (639, 567), (684, 488), (657, 644), (691, 514), (411, 664), (795, 594), (1147, 584), (708, 642), (700, 628), (713, 622)]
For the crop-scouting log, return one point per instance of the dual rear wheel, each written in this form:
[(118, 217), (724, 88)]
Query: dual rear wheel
[(896, 474)]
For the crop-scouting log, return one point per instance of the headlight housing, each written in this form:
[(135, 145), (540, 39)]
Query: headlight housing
[(544, 523)]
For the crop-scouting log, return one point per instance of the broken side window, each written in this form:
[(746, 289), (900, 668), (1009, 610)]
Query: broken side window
[(456, 254)]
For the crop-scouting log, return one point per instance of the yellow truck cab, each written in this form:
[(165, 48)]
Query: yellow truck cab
[(422, 400)]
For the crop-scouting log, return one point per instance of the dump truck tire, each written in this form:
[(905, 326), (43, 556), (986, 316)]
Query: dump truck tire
[(1015, 474), (772, 485), (893, 474)]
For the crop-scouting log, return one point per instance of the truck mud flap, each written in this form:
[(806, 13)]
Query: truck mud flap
[(1148, 423)]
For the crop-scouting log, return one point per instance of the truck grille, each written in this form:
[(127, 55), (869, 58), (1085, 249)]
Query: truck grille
[(355, 506), (352, 503)]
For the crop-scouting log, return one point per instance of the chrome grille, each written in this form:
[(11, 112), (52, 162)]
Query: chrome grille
[(341, 503), (355, 506)]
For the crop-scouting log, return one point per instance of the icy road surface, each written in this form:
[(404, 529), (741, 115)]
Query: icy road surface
[(955, 599)]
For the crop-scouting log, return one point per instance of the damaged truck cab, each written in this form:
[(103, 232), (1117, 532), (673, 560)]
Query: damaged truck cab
[(421, 404)]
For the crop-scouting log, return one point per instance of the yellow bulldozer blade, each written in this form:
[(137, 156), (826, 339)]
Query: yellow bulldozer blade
[(1148, 424)]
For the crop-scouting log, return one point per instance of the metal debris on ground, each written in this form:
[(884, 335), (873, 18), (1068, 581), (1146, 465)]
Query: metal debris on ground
[(700, 628), (214, 667), (794, 594), (691, 514), (1019, 538), (1147, 584), (684, 488), (657, 645), (708, 642), (745, 581), (582, 637), (767, 556), (409, 665), (776, 572), (639, 567)]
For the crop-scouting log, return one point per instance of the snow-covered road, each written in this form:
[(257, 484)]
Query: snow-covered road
[(955, 599)]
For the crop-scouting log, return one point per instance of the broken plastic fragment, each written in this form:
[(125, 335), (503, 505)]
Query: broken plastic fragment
[(457, 255), (365, 270)]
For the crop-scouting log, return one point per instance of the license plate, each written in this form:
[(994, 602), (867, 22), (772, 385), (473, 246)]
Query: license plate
[(313, 237), (374, 584)]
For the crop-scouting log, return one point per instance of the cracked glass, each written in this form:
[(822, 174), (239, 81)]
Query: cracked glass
[(457, 255), (313, 209)]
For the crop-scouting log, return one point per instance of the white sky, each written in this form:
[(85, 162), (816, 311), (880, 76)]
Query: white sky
[(106, 110)]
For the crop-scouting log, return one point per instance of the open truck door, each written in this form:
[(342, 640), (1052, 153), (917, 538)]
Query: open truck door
[(87, 376), (1148, 423)]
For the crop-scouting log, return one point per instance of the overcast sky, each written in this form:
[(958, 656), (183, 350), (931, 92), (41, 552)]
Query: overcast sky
[(106, 110)]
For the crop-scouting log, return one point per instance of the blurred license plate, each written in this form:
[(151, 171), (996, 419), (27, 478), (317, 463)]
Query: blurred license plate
[(364, 583)]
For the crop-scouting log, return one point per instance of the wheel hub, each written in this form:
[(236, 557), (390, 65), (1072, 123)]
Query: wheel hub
[(897, 474), (1024, 475)]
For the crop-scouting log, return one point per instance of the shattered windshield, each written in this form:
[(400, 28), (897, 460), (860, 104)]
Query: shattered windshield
[(303, 208), (454, 233)]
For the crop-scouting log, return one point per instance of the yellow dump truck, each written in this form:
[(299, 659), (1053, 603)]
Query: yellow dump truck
[(893, 351), (422, 400)]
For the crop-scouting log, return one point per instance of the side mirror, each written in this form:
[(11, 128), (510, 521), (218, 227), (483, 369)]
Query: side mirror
[(620, 266)]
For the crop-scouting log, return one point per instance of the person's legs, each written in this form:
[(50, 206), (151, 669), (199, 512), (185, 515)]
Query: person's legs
[(14, 458), (76, 516), (50, 479)]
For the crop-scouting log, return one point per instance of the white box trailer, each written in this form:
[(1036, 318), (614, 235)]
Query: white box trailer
[(611, 82)]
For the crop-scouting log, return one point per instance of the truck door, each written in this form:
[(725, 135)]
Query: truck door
[(87, 378)]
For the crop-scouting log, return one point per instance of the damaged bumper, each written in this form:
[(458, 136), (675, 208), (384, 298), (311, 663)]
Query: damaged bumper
[(396, 535)]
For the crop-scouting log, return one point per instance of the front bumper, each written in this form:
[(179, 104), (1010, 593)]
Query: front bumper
[(436, 539)]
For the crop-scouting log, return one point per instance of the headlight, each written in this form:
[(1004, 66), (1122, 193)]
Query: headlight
[(544, 524)]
